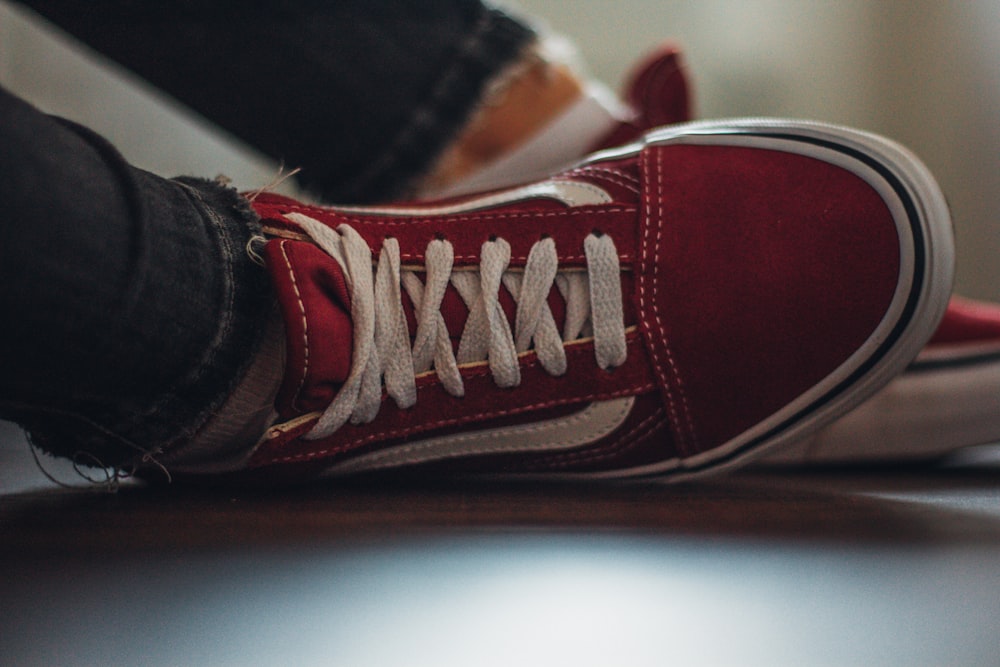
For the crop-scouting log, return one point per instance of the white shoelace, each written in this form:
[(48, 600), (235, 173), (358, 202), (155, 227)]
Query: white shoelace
[(382, 351)]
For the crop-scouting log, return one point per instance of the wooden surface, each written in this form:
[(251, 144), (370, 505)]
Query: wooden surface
[(864, 566)]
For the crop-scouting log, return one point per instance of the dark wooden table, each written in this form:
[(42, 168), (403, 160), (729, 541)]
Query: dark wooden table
[(882, 566)]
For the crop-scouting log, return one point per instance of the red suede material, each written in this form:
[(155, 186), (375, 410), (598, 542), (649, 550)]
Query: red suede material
[(750, 276), (658, 93), (315, 307), (968, 321), (436, 410), (659, 89), (760, 273)]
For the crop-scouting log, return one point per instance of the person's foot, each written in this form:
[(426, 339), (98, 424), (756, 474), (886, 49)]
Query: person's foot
[(675, 308)]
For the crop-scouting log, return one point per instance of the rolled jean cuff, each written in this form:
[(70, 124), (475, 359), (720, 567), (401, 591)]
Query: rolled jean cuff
[(241, 322), (219, 224)]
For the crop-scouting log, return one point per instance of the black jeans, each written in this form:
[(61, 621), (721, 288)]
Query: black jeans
[(361, 94), (130, 306)]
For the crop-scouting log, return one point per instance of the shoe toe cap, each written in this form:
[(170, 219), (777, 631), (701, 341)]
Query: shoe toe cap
[(766, 279)]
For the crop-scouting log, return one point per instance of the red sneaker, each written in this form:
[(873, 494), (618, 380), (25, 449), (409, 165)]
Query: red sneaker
[(670, 309)]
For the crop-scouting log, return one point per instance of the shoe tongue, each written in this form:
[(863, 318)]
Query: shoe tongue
[(315, 304)]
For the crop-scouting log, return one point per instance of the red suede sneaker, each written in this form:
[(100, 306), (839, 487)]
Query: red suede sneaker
[(668, 309)]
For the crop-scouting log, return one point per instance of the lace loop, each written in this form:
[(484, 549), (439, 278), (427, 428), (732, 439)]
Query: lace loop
[(391, 331), (382, 350), (607, 312), (534, 323)]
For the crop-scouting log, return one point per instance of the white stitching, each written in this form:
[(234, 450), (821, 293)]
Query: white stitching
[(688, 422), (643, 278), (414, 220), (305, 327)]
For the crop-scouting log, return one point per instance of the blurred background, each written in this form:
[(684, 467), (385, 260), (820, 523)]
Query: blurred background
[(925, 72)]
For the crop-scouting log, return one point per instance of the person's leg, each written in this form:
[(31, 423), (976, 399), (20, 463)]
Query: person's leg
[(363, 95), (130, 306)]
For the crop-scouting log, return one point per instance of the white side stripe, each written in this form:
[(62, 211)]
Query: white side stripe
[(589, 425)]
